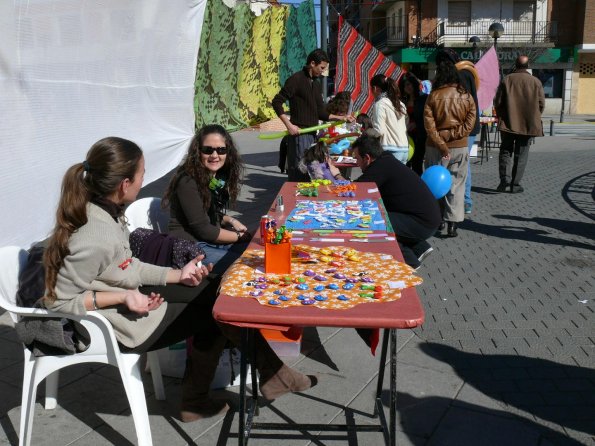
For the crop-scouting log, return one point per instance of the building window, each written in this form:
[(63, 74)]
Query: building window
[(459, 13), (522, 10), (551, 80)]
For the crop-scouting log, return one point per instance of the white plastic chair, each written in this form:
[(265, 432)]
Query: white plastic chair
[(103, 349), (147, 213)]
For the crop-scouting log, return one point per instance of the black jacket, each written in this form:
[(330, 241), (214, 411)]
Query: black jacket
[(402, 190)]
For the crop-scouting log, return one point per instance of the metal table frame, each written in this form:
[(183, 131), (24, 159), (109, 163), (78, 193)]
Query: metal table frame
[(248, 407)]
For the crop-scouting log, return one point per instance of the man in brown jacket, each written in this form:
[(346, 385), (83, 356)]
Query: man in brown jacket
[(519, 103)]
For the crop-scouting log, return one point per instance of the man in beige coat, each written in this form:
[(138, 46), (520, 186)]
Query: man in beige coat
[(519, 103)]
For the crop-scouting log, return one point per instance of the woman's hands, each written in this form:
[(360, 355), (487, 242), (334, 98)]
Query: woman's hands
[(239, 230), (237, 225), (193, 272), (140, 303)]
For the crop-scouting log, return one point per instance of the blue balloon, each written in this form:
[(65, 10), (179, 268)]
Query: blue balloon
[(334, 149), (343, 144), (438, 180)]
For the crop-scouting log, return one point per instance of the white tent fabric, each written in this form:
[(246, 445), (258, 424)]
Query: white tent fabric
[(75, 71)]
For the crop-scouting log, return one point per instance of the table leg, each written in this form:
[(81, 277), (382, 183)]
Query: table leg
[(384, 349), (482, 141), (393, 388), (243, 372)]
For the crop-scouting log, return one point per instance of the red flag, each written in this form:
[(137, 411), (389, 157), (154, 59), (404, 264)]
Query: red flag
[(357, 62), (488, 70)]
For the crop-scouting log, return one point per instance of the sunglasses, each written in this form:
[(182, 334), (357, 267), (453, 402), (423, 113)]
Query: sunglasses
[(208, 150)]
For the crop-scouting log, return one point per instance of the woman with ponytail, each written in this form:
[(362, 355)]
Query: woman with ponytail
[(389, 116), (89, 266)]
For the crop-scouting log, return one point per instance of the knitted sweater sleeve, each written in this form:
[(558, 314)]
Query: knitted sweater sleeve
[(100, 259)]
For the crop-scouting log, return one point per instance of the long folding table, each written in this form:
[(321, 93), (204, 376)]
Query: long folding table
[(404, 313)]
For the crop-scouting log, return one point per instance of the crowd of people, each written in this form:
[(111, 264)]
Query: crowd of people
[(439, 119), (89, 264)]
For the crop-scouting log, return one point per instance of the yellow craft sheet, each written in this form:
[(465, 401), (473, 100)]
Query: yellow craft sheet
[(382, 269)]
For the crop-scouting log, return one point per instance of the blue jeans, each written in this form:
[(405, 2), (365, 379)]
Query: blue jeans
[(468, 200), (400, 153), (222, 256)]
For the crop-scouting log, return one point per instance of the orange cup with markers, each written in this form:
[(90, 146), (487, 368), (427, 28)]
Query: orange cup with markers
[(277, 258)]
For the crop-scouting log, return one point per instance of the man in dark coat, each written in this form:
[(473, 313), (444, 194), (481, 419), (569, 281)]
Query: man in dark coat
[(412, 209), (303, 91), (519, 102)]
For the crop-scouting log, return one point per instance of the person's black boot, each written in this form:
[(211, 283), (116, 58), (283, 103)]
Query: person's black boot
[(503, 186), (451, 230)]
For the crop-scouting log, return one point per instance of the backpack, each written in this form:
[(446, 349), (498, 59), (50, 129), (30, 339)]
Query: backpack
[(32, 278)]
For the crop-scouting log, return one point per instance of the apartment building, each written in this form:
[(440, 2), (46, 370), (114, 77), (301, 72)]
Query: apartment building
[(558, 36)]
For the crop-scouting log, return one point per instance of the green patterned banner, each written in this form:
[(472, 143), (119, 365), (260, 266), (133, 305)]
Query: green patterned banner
[(243, 60), (300, 39)]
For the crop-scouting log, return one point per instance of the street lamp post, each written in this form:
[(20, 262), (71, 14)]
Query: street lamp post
[(474, 40), (496, 31)]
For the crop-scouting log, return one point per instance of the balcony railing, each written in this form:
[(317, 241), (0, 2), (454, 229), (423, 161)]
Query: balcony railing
[(515, 32), (390, 36)]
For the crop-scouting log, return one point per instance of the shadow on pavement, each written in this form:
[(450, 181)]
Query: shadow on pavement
[(521, 233), (465, 424), (579, 193), (313, 347), (559, 393), (485, 190), (579, 228)]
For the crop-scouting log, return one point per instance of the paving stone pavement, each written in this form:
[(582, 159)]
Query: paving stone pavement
[(505, 356)]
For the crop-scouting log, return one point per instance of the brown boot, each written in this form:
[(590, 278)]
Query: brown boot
[(284, 381), (275, 378), (200, 370)]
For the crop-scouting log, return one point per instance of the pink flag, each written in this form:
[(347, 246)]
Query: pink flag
[(488, 70)]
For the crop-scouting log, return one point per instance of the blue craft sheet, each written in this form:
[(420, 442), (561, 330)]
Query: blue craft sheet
[(333, 214)]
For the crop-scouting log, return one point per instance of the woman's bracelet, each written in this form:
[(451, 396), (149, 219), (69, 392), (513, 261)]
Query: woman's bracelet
[(95, 307), (238, 233)]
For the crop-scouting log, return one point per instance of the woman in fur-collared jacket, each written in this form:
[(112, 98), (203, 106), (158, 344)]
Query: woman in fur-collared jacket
[(449, 117)]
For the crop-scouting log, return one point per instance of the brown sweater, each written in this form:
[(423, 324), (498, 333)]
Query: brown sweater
[(304, 94), (188, 218)]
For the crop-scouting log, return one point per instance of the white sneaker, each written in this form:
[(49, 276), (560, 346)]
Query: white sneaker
[(425, 254)]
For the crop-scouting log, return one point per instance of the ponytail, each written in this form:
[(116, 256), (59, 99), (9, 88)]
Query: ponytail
[(390, 87), (393, 94), (70, 215)]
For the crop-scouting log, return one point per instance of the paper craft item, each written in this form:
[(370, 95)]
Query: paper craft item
[(332, 278), (336, 214), (277, 258)]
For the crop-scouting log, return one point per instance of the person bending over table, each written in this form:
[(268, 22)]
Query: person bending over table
[(89, 266), (200, 192), (412, 209)]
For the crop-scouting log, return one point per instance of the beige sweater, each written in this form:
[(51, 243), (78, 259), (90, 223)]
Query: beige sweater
[(97, 250), (392, 129)]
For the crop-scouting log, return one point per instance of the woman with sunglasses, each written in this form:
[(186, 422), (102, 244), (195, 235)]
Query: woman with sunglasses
[(198, 195)]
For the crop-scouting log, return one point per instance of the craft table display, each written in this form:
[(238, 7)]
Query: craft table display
[(390, 313), (331, 278), (336, 214)]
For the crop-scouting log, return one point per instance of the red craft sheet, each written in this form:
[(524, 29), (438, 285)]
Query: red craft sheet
[(404, 312)]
